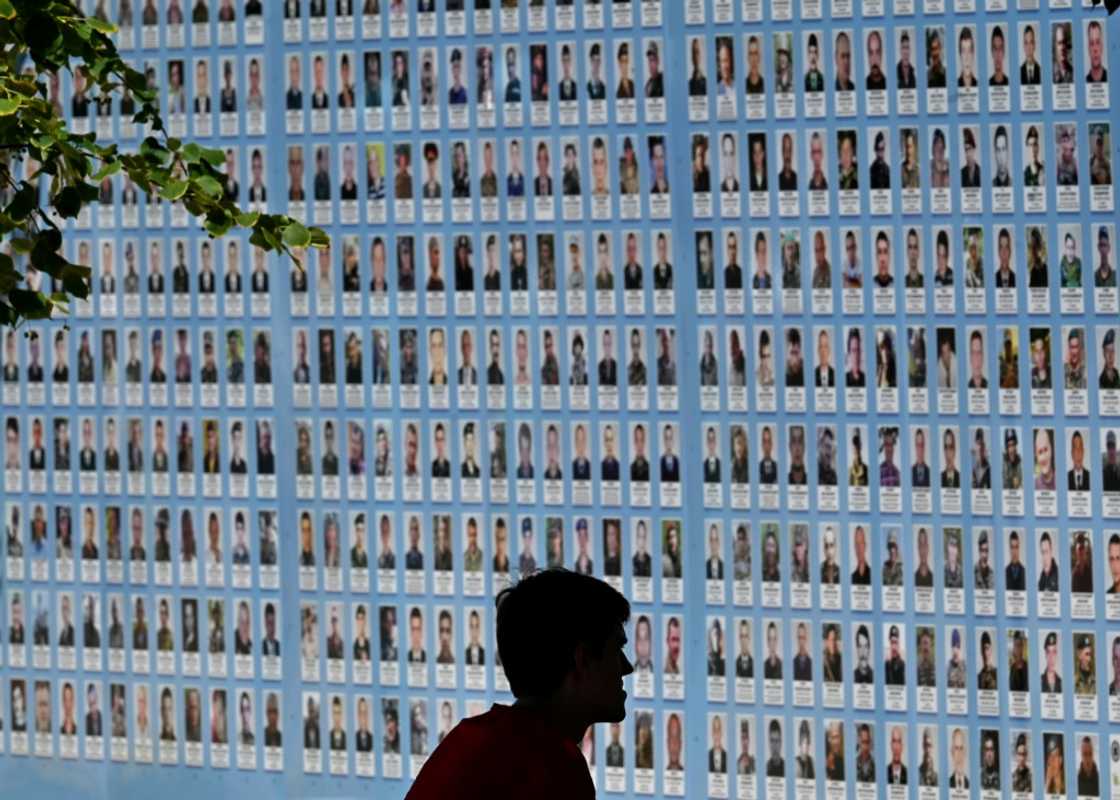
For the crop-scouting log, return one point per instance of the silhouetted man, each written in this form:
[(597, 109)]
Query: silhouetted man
[(560, 639)]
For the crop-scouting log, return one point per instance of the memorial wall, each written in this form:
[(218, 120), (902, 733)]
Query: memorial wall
[(795, 321)]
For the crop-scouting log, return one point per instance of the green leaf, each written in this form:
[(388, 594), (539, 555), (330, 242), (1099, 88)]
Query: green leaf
[(24, 202), (42, 31), (9, 105), (265, 238), (32, 305), (88, 192), (213, 156), (7, 11), (296, 235), (192, 153), (218, 226), (135, 82), (174, 143), (151, 146), (209, 185), (76, 287), (28, 88), (9, 276), (248, 219), (107, 168), (82, 29), (99, 25), (74, 272), (319, 238), (174, 190)]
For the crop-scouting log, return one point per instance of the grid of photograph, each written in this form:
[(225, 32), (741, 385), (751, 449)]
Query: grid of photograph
[(679, 311)]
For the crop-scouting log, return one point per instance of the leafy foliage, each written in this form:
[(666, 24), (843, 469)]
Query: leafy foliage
[(40, 39)]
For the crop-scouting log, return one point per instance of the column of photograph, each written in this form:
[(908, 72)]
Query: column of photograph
[(141, 533), (861, 168), (494, 346)]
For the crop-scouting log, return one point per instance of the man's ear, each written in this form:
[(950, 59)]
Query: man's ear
[(581, 659)]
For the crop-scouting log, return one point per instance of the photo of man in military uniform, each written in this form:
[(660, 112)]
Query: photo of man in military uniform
[(927, 769), (895, 665), (1018, 675), (987, 678), (1085, 674), (955, 670), (1021, 777), (989, 760), (927, 667), (892, 567), (983, 573)]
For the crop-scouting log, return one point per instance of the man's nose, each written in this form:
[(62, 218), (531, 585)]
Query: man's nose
[(627, 667)]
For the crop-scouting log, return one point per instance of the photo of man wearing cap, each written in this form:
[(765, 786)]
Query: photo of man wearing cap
[(1085, 673), (988, 677), (892, 567), (655, 80), (1051, 680), (895, 665), (1110, 375), (1054, 781), (457, 93), (1012, 471), (955, 670), (953, 574), (830, 569)]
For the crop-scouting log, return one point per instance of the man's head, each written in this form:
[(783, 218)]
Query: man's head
[(567, 650)]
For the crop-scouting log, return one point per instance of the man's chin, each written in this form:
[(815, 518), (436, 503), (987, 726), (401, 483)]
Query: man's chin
[(616, 712)]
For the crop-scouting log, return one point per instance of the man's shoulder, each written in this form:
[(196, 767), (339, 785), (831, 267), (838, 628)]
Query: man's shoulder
[(459, 760), (481, 749)]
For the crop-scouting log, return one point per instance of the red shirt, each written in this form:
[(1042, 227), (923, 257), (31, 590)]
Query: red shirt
[(504, 753)]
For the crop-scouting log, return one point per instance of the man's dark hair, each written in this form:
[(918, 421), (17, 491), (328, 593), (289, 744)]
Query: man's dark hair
[(542, 618)]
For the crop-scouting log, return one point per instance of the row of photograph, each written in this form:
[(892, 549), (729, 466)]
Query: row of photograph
[(460, 660), (446, 81), (1077, 361), (797, 466), (781, 747), (988, 263), (345, 19), (333, 555), (885, 174)]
